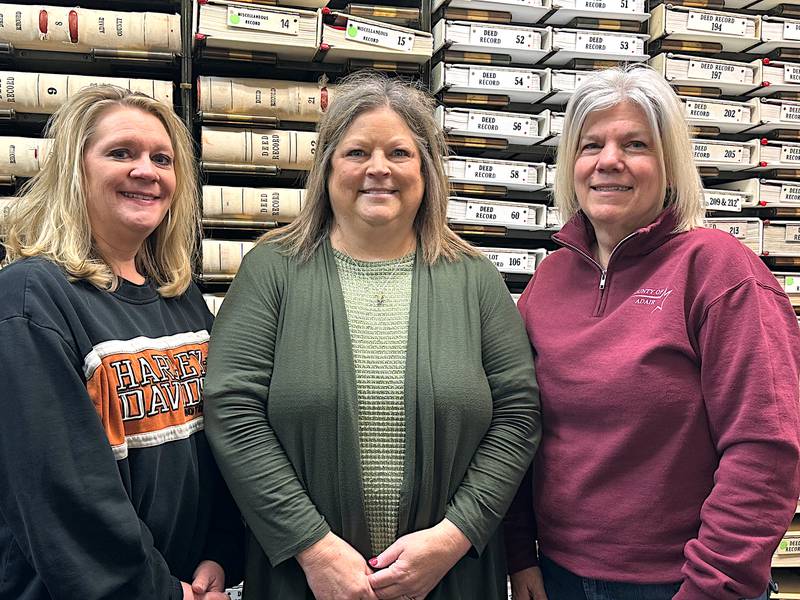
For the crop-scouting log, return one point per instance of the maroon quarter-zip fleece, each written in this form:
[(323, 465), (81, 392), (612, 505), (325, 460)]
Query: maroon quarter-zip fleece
[(669, 387)]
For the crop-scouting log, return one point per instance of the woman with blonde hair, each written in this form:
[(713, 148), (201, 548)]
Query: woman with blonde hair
[(667, 358), (107, 485), (371, 394)]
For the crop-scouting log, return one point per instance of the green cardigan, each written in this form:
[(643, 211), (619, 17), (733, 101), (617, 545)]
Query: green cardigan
[(281, 415)]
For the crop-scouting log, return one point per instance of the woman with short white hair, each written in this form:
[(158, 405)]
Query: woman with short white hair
[(667, 359)]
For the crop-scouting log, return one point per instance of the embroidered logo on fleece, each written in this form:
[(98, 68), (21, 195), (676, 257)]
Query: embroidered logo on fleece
[(655, 297)]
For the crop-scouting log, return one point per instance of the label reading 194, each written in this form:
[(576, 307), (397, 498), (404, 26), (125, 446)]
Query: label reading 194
[(715, 23), (262, 20)]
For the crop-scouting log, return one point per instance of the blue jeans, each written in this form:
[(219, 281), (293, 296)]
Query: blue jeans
[(561, 584)]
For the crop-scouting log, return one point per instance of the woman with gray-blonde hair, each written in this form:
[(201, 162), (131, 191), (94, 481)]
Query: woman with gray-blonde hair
[(667, 359), (108, 488), (370, 397)]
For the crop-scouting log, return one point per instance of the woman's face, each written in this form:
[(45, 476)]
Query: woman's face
[(618, 173), (376, 176), (130, 176)]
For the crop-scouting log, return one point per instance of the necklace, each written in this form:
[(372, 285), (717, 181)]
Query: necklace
[(380, 295)]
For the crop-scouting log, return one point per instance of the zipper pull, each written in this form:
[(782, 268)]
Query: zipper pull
[(603, 280)]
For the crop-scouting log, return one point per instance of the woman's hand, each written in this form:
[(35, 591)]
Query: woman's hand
[(416, 562), (335, 571), (528, 585), (209, 581)]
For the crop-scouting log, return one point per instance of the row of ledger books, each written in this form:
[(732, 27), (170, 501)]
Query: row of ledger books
[(760, 77), (723, 31), (294, 150), (560, 12), (222, 258), (531, 11), (301, 35)]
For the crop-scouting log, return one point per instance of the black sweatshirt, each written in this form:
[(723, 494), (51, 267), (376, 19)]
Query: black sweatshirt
[(108, 488)]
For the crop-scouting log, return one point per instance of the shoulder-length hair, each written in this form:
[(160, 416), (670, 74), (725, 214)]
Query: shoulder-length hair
[(51, 220), (355, 95), (642, 86)]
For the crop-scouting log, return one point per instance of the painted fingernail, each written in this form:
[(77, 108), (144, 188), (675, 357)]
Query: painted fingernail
[(373, 561)]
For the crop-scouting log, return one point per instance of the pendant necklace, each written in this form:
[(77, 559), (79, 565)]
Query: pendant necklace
[(380, 295)]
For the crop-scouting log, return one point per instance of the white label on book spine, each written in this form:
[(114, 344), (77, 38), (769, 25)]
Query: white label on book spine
[(791, 73), (499, 124), (791, 284), (790, 154), (631, 6), (790, 112), (791, 31), (713, 111), (790, 193), (508, 260), (262, 20), (502, 80), (379, 36), (722, 24), (495, 37), (792, 234), (609, 44), (717, 153), (494, 173), (700, 69), (737, 229), (789, 546), (497, 212), (717, 200)]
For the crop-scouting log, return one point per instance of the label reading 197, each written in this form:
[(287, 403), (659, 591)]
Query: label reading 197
[(497, 37), (700, 69), (500, 124), (262, 20), (505, 79), (497, 213), (497, 173)]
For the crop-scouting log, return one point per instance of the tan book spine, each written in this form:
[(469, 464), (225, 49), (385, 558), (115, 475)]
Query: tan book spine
[(79, 29), (223, 257), (256, 204), (22, 157), (284, 149), (286, 100)]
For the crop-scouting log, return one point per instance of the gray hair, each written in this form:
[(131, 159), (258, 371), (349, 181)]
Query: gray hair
[(355, 95), (644, 87)]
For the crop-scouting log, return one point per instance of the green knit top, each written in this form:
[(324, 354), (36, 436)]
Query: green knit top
[(377, 298)]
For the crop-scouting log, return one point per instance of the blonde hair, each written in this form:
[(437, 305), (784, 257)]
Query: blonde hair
[(51, 219), (642, 86), (355, 95)]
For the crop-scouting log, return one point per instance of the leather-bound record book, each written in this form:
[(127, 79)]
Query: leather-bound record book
[(67, 29), (284, 100), (43, 93), (22, 156), (251, 204), (283, 149)]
